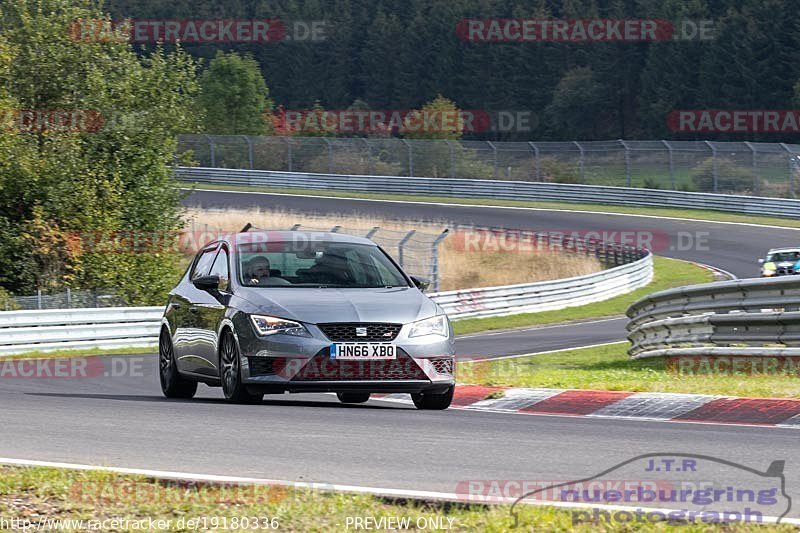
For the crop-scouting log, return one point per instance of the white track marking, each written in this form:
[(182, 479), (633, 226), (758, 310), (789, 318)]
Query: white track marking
[(485, 206), (326, 487), (542, 353)]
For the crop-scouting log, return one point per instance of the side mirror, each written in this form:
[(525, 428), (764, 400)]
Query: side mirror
[(761, 261), (207, 283), (421, 283)]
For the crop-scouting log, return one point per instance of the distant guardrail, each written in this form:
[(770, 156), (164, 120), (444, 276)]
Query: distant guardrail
[(106, 328), (493, 189), (61, 329), (749, 318)]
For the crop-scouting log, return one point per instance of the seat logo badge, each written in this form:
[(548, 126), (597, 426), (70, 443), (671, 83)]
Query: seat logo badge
[(361, 332)]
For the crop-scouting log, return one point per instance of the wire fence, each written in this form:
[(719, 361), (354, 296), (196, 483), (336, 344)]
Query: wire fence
[(68, 299), (745, 168)]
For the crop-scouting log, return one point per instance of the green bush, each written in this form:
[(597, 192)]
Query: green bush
[(731, 178), (7, 301)]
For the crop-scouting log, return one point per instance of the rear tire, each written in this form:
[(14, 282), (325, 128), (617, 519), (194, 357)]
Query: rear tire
[(230, 373), (434, 402), (173, 385), (353, 397)]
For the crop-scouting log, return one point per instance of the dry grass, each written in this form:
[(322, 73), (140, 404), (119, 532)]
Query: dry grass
[(460, 268)]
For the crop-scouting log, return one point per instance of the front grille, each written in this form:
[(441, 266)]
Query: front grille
[(443, 366), (785, 271), (346, 332), (323, 368)]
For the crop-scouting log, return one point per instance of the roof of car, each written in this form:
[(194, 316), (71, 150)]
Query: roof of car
[(261, 236), (781, 250)]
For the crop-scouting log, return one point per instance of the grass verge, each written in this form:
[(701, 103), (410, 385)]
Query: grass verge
[(610, 368), (668, 273), (82, 352), (45, 493), (692, 214)]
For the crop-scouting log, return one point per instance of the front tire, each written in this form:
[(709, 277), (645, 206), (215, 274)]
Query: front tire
[(230, 369), (173, 385), (434, 402), (353, 397)]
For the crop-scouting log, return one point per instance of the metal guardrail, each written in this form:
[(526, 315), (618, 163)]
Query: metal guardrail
[(547, 295), (24, 331), (105, 328), (757, 169), (493, 189), (752, 317)]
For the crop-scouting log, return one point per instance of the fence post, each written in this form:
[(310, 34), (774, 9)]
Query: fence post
[(69, 299), (212, 151), (372, 232), (452, 159), (435, 259), (410, 159), (330, 154), (369, 157), (538, 162), (401, 247), (628, 180), (791, 169), (756, 184), (38, 298), (249, 150), (289, 161), (716, 169), (335, 229), (494, 157), (96, 298), (671, 165), (580, 161)]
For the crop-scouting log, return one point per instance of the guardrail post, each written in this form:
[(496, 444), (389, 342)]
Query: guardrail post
[(716, 169), (580, 162), (756, 184), (372, 232), (537, 161), (435, 259), (335, 229), (401, 247), (627, 163), (671, 165), (494, 157)]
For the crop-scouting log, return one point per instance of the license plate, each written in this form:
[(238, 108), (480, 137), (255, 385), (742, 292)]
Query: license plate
[(362, 351)]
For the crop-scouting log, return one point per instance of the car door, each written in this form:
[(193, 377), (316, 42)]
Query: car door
[(210, 309), (189, 330)]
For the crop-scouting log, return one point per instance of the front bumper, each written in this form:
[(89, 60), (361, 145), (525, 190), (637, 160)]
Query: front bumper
[(285, 363)]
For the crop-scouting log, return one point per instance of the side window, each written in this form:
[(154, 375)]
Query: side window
[(203, 265), (220, 269)]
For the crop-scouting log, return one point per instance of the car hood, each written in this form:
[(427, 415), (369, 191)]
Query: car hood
[(315, 306)]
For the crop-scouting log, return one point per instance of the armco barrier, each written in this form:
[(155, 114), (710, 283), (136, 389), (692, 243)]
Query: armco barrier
[(749, 318), (24, 331), (492, 189)]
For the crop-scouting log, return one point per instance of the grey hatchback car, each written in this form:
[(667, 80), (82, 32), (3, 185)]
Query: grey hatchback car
[(270, 312)]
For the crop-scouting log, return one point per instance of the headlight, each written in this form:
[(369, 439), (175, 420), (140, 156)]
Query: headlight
[(769, 269), (430, 326), (270, 325)]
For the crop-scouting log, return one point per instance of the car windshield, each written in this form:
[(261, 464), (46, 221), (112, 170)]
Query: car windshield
[(780, 257), (317, 264)]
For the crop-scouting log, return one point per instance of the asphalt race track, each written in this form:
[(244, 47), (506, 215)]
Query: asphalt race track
[(123, 421)]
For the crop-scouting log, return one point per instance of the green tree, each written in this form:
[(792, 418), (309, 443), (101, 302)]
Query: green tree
[(578, 102), (109, 174), (235, 97)]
